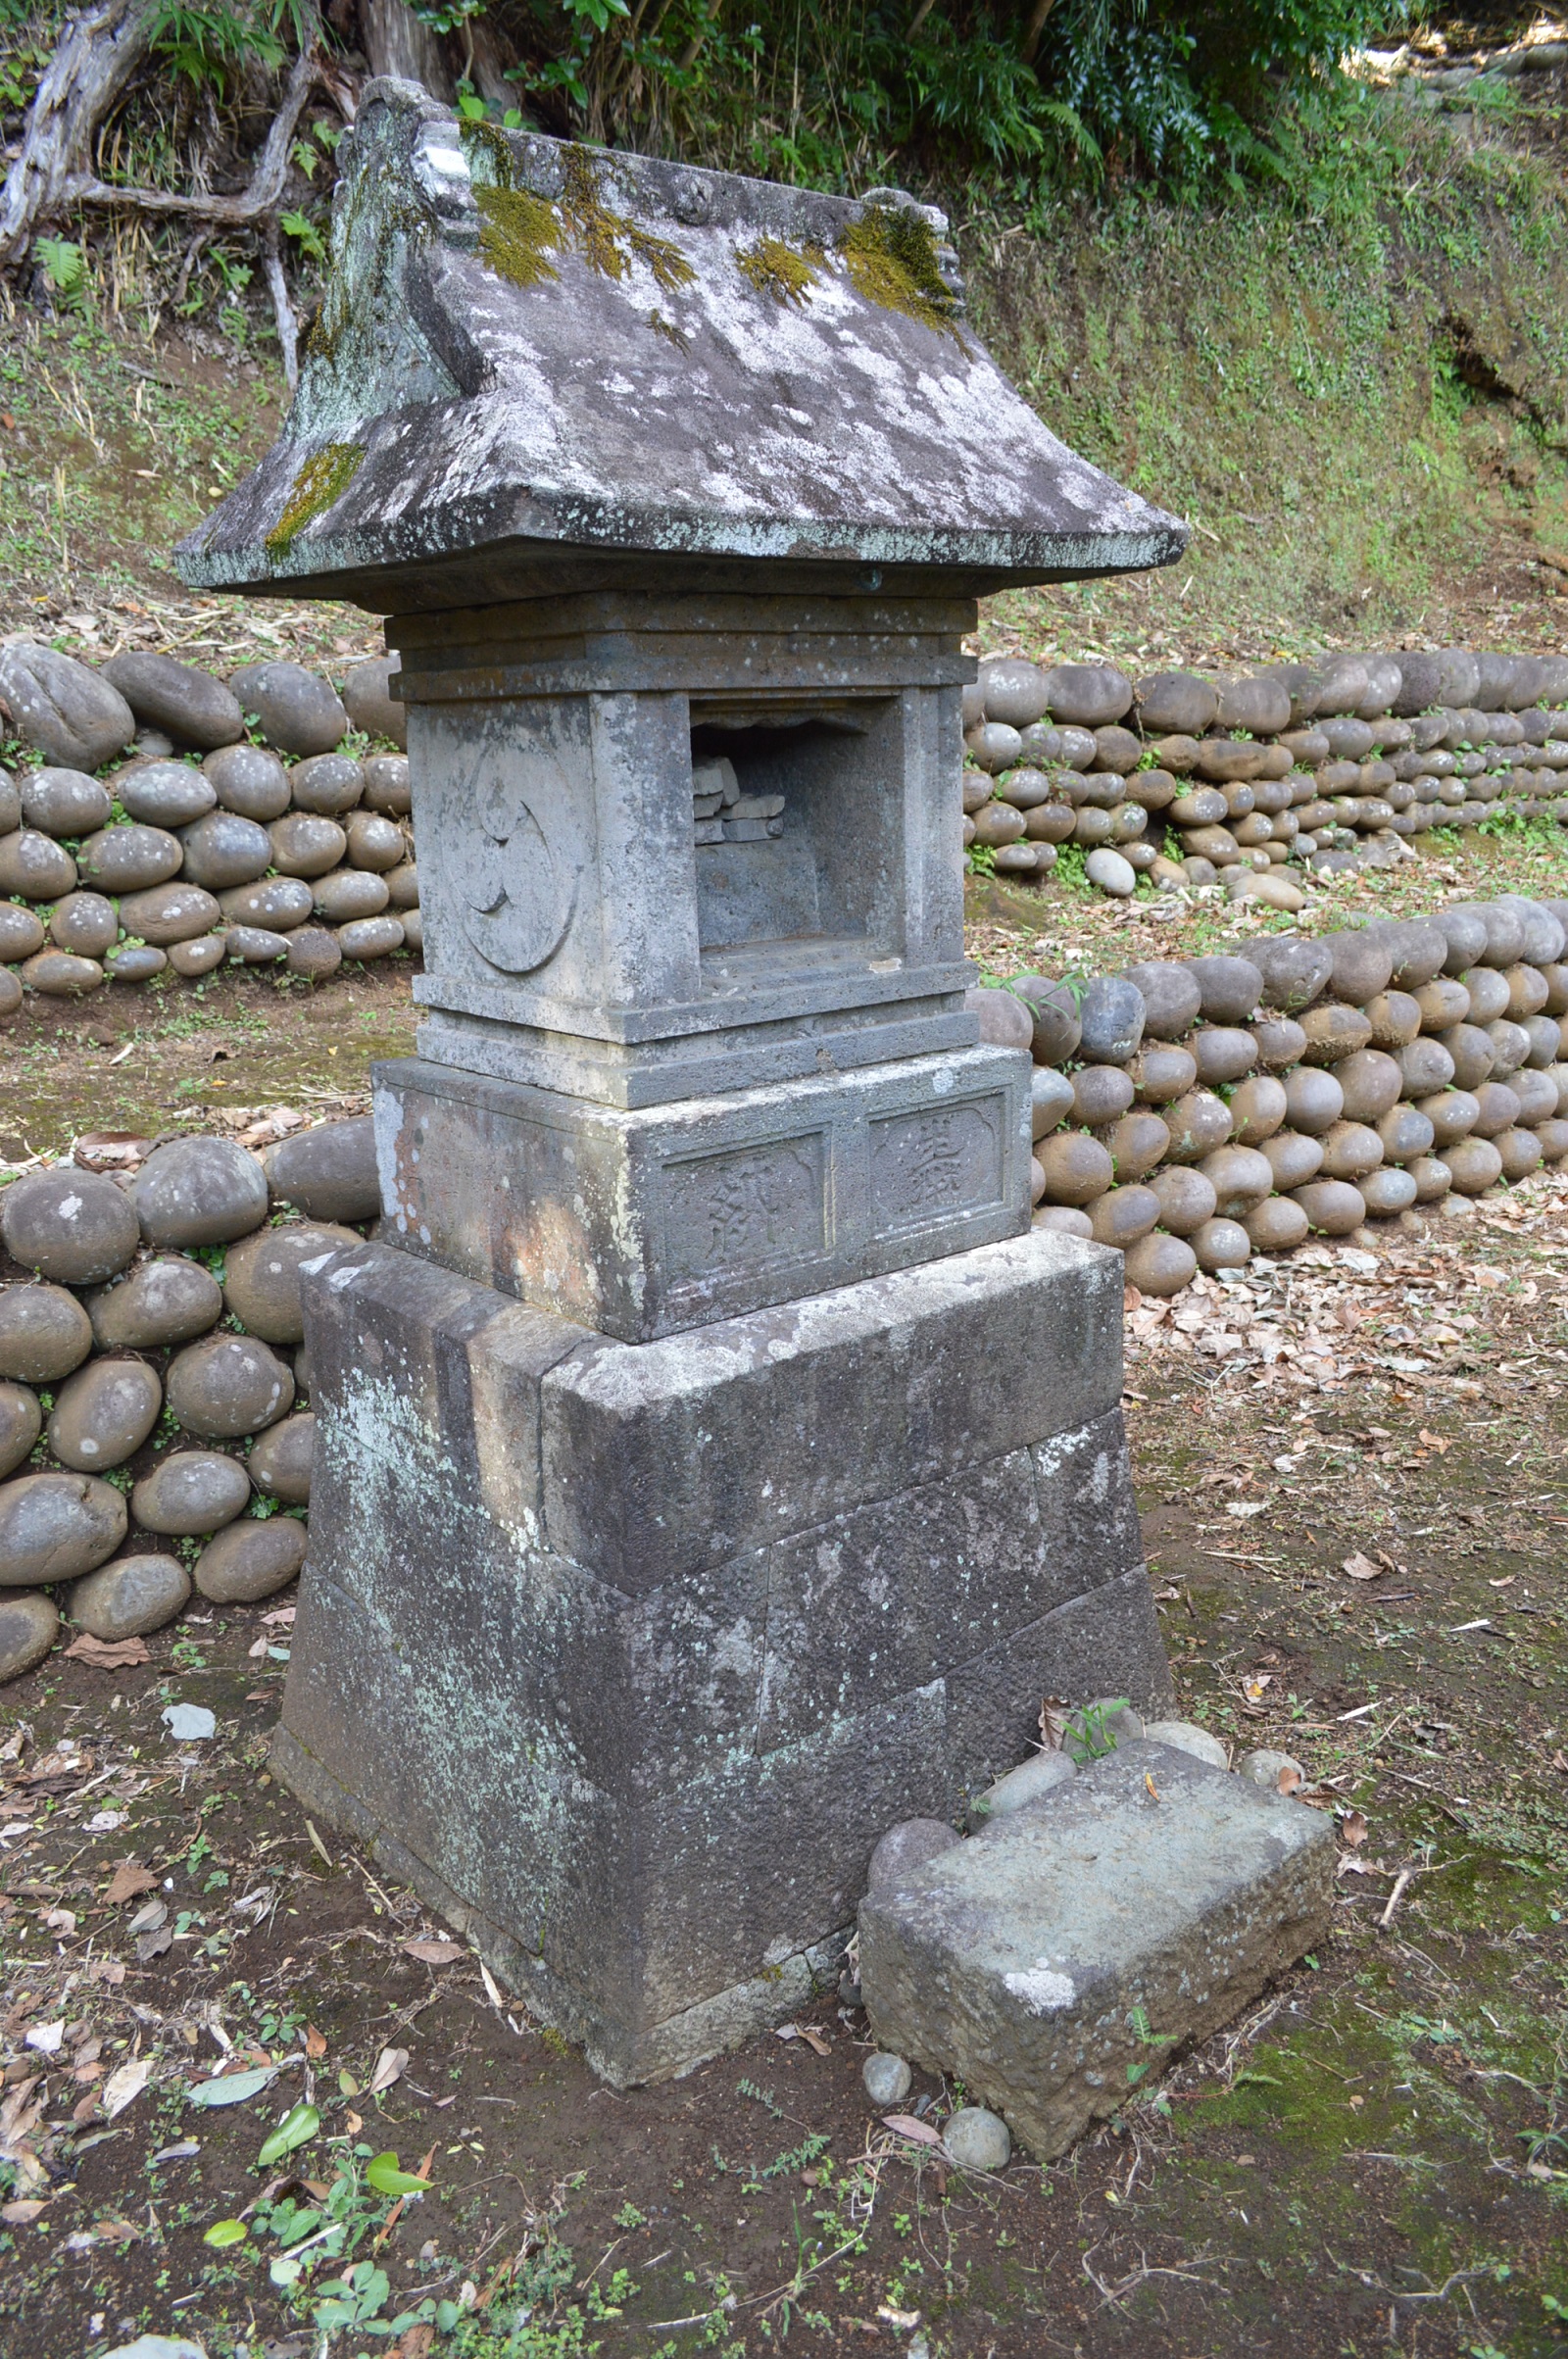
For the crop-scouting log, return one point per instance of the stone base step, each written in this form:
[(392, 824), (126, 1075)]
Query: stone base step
[(1059, 1958)]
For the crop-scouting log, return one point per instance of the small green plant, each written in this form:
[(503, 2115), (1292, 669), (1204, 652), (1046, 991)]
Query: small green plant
[(64, 268), (1087, 1734), (981, 859)]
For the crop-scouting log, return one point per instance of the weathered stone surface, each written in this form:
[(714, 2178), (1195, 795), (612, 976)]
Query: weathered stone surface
[(224, 849), (1050, 1097), (251, 1559), (300, 713), (1100, 1093), (1176, 702), (1009, 1966), (368, 703), (1221, 1244), (1334, 1031), (62, 802), (315, 952), (199, 1191), (388, 784), (103, 1414), (1087, 694), (129, 859), (904, 1851), (1077, 1169), (976, 2140), (330, 786), (45, 1333), (1005, 1021), (1012, 690), (1228, 988), (1030, 1783), (1331, 1206), (1275, 1772), (1349, 1150), (168, 913), (74, 1226), (1171, 996), (305, 845), (1370, 1082), (1419, 949), (20, 1423), (87, 924), (375, 843), (1160, 1265), (1161, 1074), (135, 963), (276, 904), (328, 1173), (1186, 1737), (1275, 1225), (887, 2079), (1262, 705), (1112, 1019), (1473, 1165), (228, 1386), (1122, 1215), (1240, 1177), (1223, 1054), (63, 975), (163, 1301), (254, 945), (54, 1526), (1186, 1199), (1471, 1052), (164, 794), (1452, 1114), (1111, 873), (73, 715), (28, 1626), (1138, 1143), (262, 1275), (281, 1459), (1198, 1122), (20, 932), (249, 780), (1294, 974), (188, 704), (198, 956), (130, 1596), (34, 865), (190, 1492)]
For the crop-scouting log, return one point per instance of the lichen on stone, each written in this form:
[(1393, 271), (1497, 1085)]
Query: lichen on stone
[(519, 232), (321, 481), (891, 257), (786, 272)]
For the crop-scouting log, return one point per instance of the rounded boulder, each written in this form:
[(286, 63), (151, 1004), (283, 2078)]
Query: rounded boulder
[(328, 1173), (63, 803), (226, 1386), (74, 1227), (250, 781), (28, 1626), (190, 1492), (164, 794), (45, 1333), (251, 1559), (187, 703), (300, 713), (199, 1191), (71, 714), (169, 1301), (262, 1273), (1160, 1266), (130, 1596), (281, 1459), (54, 1526), (103, 1414)]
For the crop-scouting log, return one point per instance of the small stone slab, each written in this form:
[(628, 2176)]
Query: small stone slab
[(1017, 1959)]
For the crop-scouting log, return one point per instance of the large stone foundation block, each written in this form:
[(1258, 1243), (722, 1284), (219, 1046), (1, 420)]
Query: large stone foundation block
[(644, 1222), (626, 1654), (1058, 1958)]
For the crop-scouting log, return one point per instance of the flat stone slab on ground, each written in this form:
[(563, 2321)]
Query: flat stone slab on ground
[(1017, 1959)]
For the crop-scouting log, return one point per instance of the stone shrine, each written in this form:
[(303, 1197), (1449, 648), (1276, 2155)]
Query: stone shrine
[(713, 1466)]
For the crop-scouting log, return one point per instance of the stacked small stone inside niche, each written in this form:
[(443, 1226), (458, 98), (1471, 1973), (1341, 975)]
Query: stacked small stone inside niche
[(714, 1466)]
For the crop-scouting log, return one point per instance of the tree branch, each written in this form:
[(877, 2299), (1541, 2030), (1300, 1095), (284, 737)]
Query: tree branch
[(98, 52), (283, 308), (242, 212)]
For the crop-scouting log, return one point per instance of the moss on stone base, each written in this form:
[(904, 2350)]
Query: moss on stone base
[(321, 481), (891, 257)]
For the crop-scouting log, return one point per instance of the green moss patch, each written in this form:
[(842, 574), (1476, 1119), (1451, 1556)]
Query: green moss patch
[(520, 231), (786, 272), (891, 257), (320, 483)]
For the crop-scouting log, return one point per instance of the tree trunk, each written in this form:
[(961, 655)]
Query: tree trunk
[(396, 42), (489, 57), (99, 51)]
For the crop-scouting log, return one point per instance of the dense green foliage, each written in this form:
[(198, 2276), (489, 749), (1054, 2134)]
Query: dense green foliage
[(1022, 92)]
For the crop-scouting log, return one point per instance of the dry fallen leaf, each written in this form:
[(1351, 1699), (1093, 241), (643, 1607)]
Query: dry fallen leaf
[(1055, 1715), (434, 1954), (388, 2068), (1353, 1829), (21, 2214), (904, 2125), (802, 2030), (315, 2044), (1361, 1568), (125, 2084), (1437, 1442), (1289, 1779), (128, 1879), (113, 1654)]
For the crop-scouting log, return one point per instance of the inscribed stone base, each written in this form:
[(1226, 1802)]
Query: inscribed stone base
[(626, 1654), (1068, 1950), (643, 1223)]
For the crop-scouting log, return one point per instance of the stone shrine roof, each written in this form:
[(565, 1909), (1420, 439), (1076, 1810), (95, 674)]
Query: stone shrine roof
[(542, 366)]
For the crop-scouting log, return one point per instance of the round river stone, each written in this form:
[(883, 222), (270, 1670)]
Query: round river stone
[(280, 1459), (191, 1492), (329, 1173), (1275, 1225), (372, 937), (21, 1424), (905, 1850), (54, 1526), (76, 1227), (387, 785), (1057, 1026), (1077, 1168), (103, 1414), (1186, 1199), (276, 904), (1332, 1207), (192, 706), (300, 713), (1198, 1124), (261, 1278), (251, 1559), (129, 859), (315, 952), (87, 924), (1100, 1093), (1292, 1159), (168, 913), (164, 794), (20, 932), (369, 704), (331, 784), (1258, 1109), (199, 1192), (130, 1596), (45, 1333), (224, 849), (976, 2138), (1160, 1266), (28, 1626), (887, 2079), (63, 801), (375, 843), (1170, 994), (350, 893), (1112, 1019), (34, 865), (169, 1300), (228, 1384), (1223, 1054), (250, 781), (304, 845)]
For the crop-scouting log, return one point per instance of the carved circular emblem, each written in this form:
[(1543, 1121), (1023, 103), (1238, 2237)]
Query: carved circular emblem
[(517, 894)]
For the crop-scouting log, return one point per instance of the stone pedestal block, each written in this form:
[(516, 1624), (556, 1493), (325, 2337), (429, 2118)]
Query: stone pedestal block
[(626, 1654), (643, 1223)]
